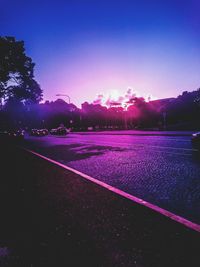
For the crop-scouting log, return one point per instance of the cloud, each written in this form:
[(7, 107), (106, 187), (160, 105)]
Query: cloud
[(113, 99), (98, 100)]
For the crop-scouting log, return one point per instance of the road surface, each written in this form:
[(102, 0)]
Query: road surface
[(163, 170)]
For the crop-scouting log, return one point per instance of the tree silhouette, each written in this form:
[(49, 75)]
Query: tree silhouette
[(17, 73)]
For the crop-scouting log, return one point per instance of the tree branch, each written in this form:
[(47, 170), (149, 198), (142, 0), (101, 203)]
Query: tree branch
[(14, 79)]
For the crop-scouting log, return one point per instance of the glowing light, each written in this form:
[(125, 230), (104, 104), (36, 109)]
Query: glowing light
[(116, 98), (114, 95)]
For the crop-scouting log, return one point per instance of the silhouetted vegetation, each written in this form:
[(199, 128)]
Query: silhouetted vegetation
[(18, 88), (20, 95), (184, 111), (17, 73), (181, 113)]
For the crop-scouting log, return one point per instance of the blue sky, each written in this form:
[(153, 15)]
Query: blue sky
[(85, 48)]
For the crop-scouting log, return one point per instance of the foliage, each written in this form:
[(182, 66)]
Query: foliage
[(21, 94), (17, 73)]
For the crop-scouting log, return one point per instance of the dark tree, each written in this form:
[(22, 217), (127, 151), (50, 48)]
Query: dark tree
[(17, 73)]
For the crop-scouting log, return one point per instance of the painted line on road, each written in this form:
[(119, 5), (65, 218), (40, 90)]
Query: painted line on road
[(117, 191)]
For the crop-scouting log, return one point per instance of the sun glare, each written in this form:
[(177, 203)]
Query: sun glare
[(114, 95)]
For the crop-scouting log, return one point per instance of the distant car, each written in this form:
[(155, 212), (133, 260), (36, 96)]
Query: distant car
[(44, 131), (33, 132), (39, 132), (196, 139), (59, 131), (12, 135), (15, 134), (53, 131)]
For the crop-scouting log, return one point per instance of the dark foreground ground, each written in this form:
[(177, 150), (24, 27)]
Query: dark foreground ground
[(51, 217)]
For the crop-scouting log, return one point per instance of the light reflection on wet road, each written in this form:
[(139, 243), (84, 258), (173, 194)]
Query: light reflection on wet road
[(164, 170)]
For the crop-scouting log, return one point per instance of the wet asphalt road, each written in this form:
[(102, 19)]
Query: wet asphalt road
[(163, 170)]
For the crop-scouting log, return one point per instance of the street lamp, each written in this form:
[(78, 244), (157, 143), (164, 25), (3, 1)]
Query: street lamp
[(164, 119), (125, 116), (71, 121)]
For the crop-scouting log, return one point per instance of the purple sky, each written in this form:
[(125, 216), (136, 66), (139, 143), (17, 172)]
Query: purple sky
[(86, 48)]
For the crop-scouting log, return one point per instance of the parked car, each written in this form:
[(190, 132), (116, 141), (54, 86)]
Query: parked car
[(196, 139), (53, 131), (39, 132), (16, 134), (59, 131), (45, 131), (33, 132), (13, 134)]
